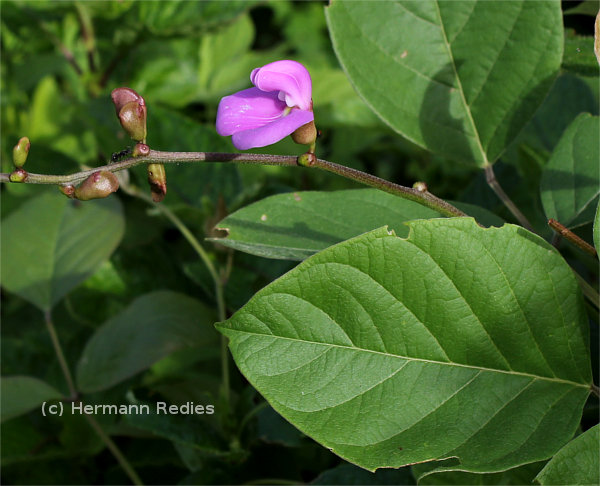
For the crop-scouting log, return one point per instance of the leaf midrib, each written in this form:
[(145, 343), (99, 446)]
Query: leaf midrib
[(460, 87), (408, 358)]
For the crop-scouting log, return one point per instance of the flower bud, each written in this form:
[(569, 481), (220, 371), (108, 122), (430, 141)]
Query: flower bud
[(68, 190), (100, 184), (133, 120), (306, 134), (157, 178), (140, 150), (307, 160), (18, 175), (122, 96), (20, 152)]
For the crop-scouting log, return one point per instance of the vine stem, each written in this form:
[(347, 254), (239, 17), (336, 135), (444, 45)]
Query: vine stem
[(595, 390), (114, 449), (218, 282), (60, 355), (108, 442), (490, 178), (421, 195)]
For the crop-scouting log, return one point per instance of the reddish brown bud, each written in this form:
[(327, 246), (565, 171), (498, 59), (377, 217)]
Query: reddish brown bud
[(68, 190), (140, 150), (122, 96), (157, 178), (133, 120), (98, 185), (306, 134), (20, 152)]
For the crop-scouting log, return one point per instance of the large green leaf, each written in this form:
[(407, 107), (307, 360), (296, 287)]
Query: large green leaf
[(296, 225), (393, 351), (20, 394), (576, 463), (571, 180), (460, 78), (152, 327), (51, 244)]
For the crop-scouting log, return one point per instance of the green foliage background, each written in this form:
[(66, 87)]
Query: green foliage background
[(183, 57)]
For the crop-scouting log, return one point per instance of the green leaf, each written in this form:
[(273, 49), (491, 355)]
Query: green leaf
[(51, 244), (571, 181), (153, 326), (296, 225), (187, 430), (579, 55), (517, 476), (575, 463), (20, 394), (458, 78), (393, 351)]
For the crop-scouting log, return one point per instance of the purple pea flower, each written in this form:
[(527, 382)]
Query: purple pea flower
[(280, 103)]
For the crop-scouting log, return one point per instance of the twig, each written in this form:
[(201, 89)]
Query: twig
[(572, 237), (418, 195)]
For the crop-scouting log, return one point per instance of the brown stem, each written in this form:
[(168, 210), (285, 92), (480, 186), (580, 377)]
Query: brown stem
[(572, 237)]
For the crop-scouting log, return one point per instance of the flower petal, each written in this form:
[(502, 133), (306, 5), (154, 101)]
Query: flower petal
[(247, 109), (291, 77), (273, 132)]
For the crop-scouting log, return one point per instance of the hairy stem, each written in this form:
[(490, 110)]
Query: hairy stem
[(218, 282), (60, 355), (490, 178), (114, 449), (420, 196)]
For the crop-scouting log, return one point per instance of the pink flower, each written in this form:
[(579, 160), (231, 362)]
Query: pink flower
[(280, 103)]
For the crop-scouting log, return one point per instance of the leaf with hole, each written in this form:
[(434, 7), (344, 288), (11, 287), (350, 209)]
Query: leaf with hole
[(393, 351), (459, 78), (297, 225)]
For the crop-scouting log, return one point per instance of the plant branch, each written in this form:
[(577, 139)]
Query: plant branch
[(114, 449), (595, 390), (421, 196), (490, 178), (60, 355), (562, 230)]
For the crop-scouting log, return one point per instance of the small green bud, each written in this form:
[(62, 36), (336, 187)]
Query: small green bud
[(20, 152), (157, 178), (122, 96), (306, 134), (420, 186), (307, 160), (18, 175), (140, 150), (100, 184), (133, 120)]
